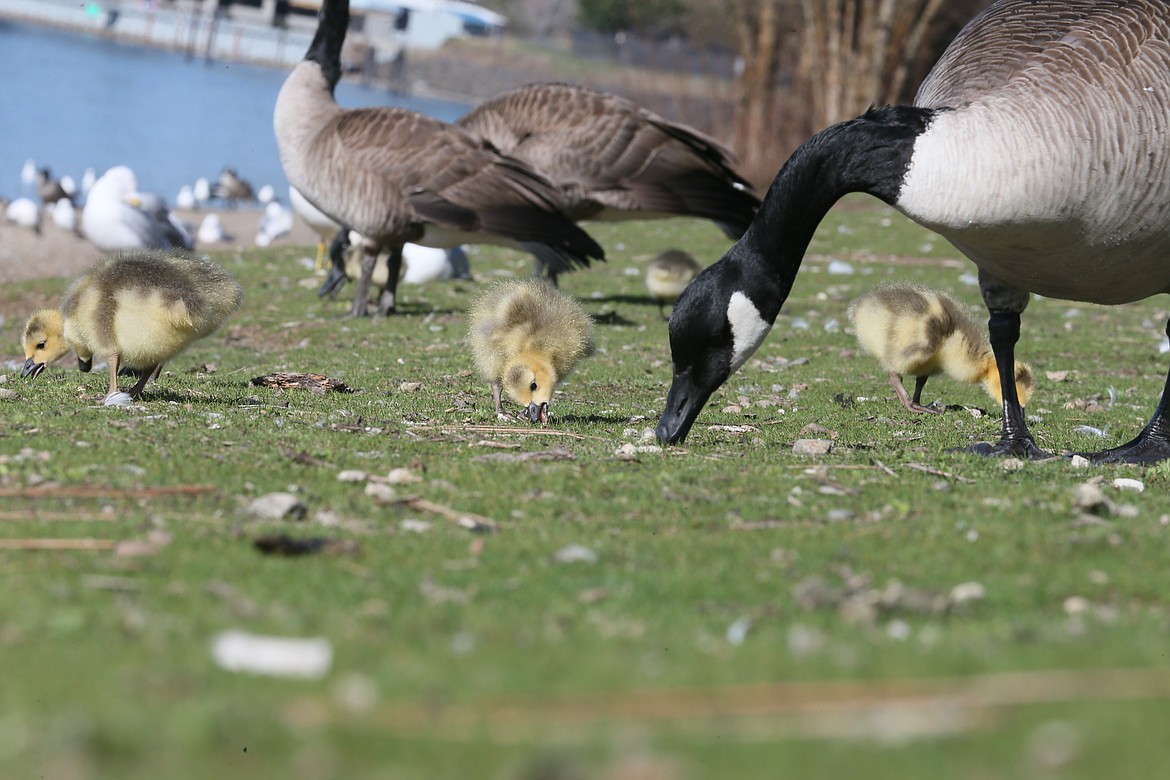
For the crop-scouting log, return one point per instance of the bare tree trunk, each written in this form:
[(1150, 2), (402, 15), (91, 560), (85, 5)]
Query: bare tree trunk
[(758, 30)]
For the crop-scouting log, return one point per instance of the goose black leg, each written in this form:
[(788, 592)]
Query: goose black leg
[(1015, 440), (369, 259), (389, 298), (1149, 446)]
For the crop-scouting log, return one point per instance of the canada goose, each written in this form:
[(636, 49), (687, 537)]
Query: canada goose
[(615, 160), (50, 189), (669, 274), (394, 175), (118, 216), (915, 330), (1039, 145), (526, 337), (232, 188), (137, 310), (322, 224)]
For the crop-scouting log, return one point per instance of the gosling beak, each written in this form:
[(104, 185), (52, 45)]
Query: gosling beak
[(84, 364), (538, 413), (32, 368)]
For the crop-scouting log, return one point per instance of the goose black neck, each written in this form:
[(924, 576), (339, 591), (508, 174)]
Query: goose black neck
[(325, 50), (869, 154)]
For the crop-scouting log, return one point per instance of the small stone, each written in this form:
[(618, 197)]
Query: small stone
[(738, 631), (381, 492), (410, 387), (1076, 605), (277, 506), (812, 447), (898, 630), (352, 475), (1080, 462), (1012, 464), (8, 395), (840, 268), (1091, 498), (415, 526), (967, 593), (627, 451), (402, 477)]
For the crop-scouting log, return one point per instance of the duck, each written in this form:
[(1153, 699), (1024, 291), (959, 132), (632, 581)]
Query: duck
[(321, 223), (993, 155), (137, 310), (396, 175), (118, 216), (919, 331), (233, 188), (669, 274), (526, 336), (615, 160)]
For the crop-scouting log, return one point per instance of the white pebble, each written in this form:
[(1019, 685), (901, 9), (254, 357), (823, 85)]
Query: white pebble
[(575, 553), (1124, 483), (239, 651)]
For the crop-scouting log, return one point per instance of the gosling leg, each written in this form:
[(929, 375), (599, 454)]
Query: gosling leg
[(912, 404)]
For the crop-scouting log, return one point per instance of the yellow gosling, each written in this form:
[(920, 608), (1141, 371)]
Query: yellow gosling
[(669, 274), (526, 336), (915, 330), (137, 310)]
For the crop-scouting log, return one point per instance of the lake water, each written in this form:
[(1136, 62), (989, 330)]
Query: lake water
[(72, 102)]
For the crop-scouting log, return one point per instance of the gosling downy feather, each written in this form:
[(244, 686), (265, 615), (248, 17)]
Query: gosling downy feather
[(918, 331), (395, 175), (135, 309), (526, 336), (669, 274), (1039, 145), (615, 160)]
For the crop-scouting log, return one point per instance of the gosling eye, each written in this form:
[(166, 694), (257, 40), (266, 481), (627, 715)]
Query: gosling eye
[(41, 345), (532, 387)]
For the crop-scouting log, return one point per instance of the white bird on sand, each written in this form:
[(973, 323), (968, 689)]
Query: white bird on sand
[(25, 213), (322, 224), (202, 192), (28, 176), (429, 264), (211, 231), (87, 180), (69, 185), (266, 194), (64, 215), (186, 198), (118, 216), (277, 222)]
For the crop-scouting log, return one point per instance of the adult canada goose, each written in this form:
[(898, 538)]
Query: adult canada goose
[(615, 160), (322, 224), (394, 175), (1039, 145), (51, 190), (913, 329), (135, 309), (232, 188), (118, 216), (669, 274), (526, 336)]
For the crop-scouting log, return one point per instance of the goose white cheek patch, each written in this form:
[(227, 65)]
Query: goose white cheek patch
[(748, 329)]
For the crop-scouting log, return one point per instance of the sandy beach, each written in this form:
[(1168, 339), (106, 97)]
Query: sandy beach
[(56, 253)]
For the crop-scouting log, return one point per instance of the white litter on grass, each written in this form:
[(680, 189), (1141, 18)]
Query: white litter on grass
[(239, 651), (738, 631), (118, 399), (840, 268), (575, 553), (1124, 483)]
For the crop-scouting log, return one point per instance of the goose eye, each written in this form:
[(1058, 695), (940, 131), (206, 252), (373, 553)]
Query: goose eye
[(532, 387), (41, 345)]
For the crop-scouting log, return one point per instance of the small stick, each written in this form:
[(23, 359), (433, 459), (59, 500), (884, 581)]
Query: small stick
[(58, 544), (937, 472), (467, 520)]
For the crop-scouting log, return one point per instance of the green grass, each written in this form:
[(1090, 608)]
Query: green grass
[(466, 655)]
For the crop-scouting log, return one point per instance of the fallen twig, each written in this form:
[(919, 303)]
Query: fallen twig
[(937, 472), (468, 520)]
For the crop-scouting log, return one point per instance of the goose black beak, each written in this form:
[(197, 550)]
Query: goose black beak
[(537, 413), (32, 368), (333, 283), (683, 404)]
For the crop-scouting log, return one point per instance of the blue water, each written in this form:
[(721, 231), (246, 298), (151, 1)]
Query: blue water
[(71, 102)]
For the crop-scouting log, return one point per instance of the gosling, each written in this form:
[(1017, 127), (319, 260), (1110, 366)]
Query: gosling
[(136, 309), (668, 275), (526, 337), (915, 330)]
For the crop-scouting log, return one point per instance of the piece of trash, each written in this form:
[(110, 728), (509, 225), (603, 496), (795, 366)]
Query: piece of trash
[(118, 399), (575, 553), (291, 546), (239, 651), (277, 506), (1125, 483), (1100, 433)]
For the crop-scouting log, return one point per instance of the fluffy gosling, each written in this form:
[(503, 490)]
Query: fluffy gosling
[(915, 330), (526, 337), (137, 310), (668, 275)]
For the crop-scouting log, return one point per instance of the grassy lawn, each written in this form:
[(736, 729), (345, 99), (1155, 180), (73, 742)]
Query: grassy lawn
[(740, 611)]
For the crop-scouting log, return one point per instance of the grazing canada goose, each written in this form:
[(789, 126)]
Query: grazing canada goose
[(1039, 145), (915, 330), (117, 216), (669, 274), (322, 224), (135, 309), (526, 337), (394, 175), (50, 189), (615, 160)]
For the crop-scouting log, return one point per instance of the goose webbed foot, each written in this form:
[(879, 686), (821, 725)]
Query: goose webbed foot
[(1148, 447), (1023, 447)]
